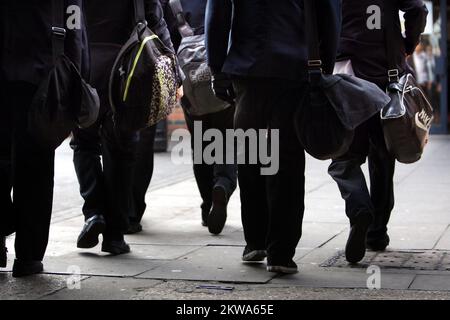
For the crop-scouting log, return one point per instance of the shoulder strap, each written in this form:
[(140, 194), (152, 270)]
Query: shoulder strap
[(312, 33), (139, 11), (392, 46), (58, 28), (183, 26)]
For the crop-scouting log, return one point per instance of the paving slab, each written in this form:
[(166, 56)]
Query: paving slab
[(30, 288), (104, 288), (431, 283), (338, 279), (159, 252), (444, 242), (211, 264), (418, 237), (99, 265), (191, 234)]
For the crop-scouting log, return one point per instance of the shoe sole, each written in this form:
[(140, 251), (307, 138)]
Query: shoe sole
[(255, 256), (281, 269), (218, 215), (89, 239), (115, 251), (355, 249)]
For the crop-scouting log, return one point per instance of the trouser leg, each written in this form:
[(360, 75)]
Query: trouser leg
[(347, 173), (143, 172), (286, 188), (381, 168), (86, 145), (118, 163), (32, 180)]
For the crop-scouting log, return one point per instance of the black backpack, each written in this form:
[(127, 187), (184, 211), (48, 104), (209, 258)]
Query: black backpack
[(192, 60), (144, 78), (64, 100)]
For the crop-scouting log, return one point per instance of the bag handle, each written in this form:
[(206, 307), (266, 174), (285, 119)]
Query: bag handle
[(183, 26), (392, 47), (139, 12), (58, 29), (314, 61)]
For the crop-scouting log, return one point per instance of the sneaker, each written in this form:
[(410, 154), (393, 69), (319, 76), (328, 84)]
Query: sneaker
[(355, 249), (218, 215), (26, 268), (134, 227), (379, 244), (251, 255), (92, 228), (3, 252), (115, 247), (287, 268)]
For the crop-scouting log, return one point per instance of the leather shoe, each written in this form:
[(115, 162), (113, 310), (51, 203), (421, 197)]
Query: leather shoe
[(115, 247), (379, 244), (3, 252), (355, 250), (93, 227), (26, 268), (133, 228), (218, 215)]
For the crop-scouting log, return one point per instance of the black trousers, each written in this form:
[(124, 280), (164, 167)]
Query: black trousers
[(104, 161), (143, 173), (346, 171), (272, 206), (209, 176), (28, 169)]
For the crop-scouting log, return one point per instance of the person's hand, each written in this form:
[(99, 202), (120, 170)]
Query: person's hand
[(180, 93), (223, 87)]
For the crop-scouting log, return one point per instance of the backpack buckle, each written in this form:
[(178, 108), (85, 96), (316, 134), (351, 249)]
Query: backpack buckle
[(393, 75), (59, 32)]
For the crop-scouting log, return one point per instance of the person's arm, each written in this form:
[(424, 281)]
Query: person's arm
[(415, 21), (217, 30), (156, 23), (172, 24), (330, 20)]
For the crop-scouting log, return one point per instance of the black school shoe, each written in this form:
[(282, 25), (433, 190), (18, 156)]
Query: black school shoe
[(3, 252), (115, 247), (379, 244), (288, 267), (92, 228), (26, 268), (355, 249), (218, 215), (253, 255), (133, 228)]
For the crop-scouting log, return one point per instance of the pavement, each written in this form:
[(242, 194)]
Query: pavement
[(176, 258)]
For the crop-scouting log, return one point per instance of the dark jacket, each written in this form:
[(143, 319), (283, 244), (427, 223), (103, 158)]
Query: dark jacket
[(110, 24), (26, 49), (367, 48), (267, 37), (194, 13)]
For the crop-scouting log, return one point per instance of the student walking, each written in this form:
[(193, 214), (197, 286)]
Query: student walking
[(264, 64), (107, 186), (362, 51), (26, 166), (216, 182)]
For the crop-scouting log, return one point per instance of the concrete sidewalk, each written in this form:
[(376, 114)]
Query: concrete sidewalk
[(175, 256)]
